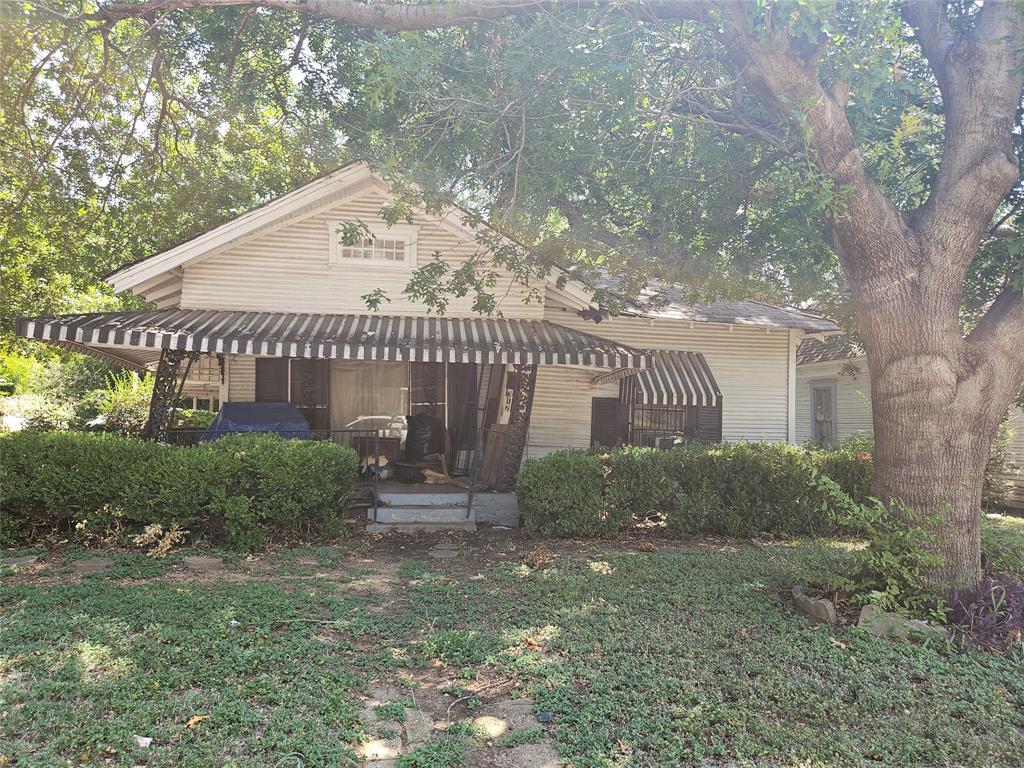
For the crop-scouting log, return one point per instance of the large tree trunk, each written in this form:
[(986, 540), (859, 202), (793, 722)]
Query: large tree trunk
[(937, 402), (930, 455)]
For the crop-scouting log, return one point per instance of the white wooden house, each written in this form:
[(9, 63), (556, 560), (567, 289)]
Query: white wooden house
[(271, 306)]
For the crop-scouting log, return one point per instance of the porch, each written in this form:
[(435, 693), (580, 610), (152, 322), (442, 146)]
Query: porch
[(438, 409)]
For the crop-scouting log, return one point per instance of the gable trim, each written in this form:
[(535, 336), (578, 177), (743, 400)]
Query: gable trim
[(234, 229)]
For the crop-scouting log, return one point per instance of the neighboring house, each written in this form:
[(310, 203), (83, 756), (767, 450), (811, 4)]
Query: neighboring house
[(271, 306), (834, 402), (833, 392)]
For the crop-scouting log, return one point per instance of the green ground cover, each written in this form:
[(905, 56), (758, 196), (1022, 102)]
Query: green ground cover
[(683, 655)]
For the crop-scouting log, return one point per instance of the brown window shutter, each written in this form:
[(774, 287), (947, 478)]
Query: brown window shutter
[(709, 422), (271, 380)]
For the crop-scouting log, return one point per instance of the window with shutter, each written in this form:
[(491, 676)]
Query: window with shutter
[(271, 380)]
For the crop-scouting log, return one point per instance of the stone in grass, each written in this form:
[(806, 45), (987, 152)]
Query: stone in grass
[(817, 608), (444, 551), (18, 562), (539, 755), (518, 713), (142, 742), (93, 564), (896, 627), (380, 749), (490, 727), (202, 563)]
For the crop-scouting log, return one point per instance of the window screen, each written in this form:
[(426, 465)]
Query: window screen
[(388, 250), (823, 411)]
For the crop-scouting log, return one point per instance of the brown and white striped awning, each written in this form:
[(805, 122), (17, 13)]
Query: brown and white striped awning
[(677, 378), (352, 337)]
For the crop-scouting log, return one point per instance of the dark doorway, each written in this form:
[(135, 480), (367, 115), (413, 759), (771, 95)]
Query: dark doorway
[(609, 422)]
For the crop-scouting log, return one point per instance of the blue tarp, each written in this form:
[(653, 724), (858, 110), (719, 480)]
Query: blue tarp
[(282, 418)]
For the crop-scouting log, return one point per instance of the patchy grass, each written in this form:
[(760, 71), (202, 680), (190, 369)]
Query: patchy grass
[(1002, 543), (681, 656), (88, 665)]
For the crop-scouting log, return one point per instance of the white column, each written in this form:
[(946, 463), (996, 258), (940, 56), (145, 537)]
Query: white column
[(794, 342)]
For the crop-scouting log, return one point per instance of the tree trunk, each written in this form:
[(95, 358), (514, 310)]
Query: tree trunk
[(937, 402), (930, 455)]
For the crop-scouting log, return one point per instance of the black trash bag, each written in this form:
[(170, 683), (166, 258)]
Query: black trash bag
[(425, 436)]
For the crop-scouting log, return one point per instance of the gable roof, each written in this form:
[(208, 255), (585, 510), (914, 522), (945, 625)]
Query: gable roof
[(666, 300), (158, 278), (815, 351), (286, 206)]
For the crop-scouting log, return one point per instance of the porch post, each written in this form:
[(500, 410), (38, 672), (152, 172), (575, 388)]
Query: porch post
[(166, 391), (518, 426)]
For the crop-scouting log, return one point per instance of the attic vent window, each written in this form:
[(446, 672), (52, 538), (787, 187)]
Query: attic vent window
[(385, 247)]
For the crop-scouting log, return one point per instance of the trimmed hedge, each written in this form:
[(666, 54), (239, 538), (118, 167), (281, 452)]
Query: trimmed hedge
[(733, 490), (560, 495), (239, 491)]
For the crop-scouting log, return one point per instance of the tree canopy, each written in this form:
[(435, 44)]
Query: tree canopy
[(598, 138)]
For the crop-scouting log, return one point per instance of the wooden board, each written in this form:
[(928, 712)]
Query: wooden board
[(494, 453)]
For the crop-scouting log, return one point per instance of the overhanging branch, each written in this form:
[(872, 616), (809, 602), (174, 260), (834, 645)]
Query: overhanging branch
[(396, 16), (1000, 333)]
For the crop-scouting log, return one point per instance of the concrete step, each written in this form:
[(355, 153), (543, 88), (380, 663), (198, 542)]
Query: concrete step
[(433, 515), (419, 527), (406, 499)]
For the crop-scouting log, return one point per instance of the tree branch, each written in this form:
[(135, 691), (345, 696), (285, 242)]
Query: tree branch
[(779, 76), (980, 74), (1000, 334), (390, 16)]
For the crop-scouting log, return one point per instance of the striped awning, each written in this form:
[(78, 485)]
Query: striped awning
[(677, 378), (351, 337)]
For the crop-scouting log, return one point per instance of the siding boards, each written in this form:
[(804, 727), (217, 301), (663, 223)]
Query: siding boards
[(288, 270), (750, 365), (241, 375)]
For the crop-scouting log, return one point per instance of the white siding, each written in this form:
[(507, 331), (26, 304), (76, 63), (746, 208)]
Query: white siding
[(561, 409), (241, 376), (288, 270), (1017, 443), (751, 366), (853, 397)]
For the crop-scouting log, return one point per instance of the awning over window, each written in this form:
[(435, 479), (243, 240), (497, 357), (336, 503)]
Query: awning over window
[(352, 337), (677, 378)]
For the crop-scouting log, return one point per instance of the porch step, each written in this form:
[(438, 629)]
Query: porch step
[(420, 500), (408, 514), (419, 527)]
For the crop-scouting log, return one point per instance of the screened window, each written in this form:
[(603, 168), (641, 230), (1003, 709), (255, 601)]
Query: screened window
[(384, 247), (823, 413), (657, 425)]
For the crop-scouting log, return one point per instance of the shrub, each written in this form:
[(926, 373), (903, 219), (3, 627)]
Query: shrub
[(637, 482), (734, 490), (991, 613), (561, 495), (851, 464), (124, 403), (238, 491), (1002, 544), (739, 490), (892, 572)]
